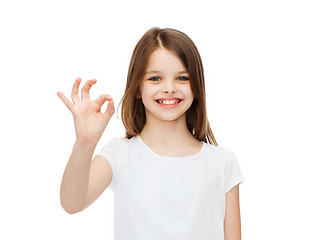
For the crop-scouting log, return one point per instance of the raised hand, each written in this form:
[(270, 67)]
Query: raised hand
[(89, 121)]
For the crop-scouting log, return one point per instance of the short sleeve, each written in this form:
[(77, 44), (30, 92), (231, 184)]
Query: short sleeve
[(112, 152), (233, 175)]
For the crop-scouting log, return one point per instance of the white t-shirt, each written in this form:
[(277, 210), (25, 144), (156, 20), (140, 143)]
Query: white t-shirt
[(166, 198)]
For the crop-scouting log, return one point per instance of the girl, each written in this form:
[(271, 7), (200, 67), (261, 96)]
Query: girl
[(169, 177)]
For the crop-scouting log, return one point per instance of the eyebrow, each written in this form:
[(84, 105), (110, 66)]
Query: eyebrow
[(155, 71)]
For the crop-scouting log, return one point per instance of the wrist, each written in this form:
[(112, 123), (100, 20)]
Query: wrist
[(89, 144)]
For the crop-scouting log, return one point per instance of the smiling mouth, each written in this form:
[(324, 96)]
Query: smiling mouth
[(168, 102)]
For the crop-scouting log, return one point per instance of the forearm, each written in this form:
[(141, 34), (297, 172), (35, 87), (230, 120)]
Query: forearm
[(75, 180)]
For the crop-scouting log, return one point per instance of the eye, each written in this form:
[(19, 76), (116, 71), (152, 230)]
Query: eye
[(155, 79), (183, 78)]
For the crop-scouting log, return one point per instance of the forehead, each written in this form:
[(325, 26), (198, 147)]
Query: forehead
[(164, 61)]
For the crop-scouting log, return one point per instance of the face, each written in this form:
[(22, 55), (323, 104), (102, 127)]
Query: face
[(165, 89)]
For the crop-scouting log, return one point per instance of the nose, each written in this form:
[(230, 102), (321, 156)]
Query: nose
[(169, 87)]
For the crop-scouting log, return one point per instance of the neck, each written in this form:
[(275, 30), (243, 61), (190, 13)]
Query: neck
[(167, 133)]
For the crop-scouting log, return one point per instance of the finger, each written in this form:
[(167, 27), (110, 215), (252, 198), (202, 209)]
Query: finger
[(101, 100), (85, 89), (74, 91), (109, 111), (65, 100)]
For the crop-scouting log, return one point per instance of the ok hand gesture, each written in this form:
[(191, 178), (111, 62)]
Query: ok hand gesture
[(89, 121)]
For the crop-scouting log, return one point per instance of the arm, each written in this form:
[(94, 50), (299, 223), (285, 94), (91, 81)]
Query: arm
[(74, 184), (232, 221), (83, 179)]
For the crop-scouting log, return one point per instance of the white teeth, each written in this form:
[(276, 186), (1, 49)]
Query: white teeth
[(168, 102)]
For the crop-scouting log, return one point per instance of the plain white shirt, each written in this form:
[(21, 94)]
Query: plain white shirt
[(167, 198)]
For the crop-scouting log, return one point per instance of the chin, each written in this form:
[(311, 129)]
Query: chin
[(170, 119)]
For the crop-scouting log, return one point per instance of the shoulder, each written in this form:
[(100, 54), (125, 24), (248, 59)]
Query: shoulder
[(119, 141), (115, 148), (223, 154), (221, 150), (117, 144)]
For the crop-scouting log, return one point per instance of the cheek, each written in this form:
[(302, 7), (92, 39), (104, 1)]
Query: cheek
[(145, 94), (188, 92), (149, 91), (142, 91)]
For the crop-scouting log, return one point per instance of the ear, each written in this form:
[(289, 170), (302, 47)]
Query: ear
[(138, 95)]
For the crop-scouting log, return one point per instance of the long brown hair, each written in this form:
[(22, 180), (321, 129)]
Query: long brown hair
[(132, 109)]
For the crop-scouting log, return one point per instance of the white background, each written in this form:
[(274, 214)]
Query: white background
[(265, 72)]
